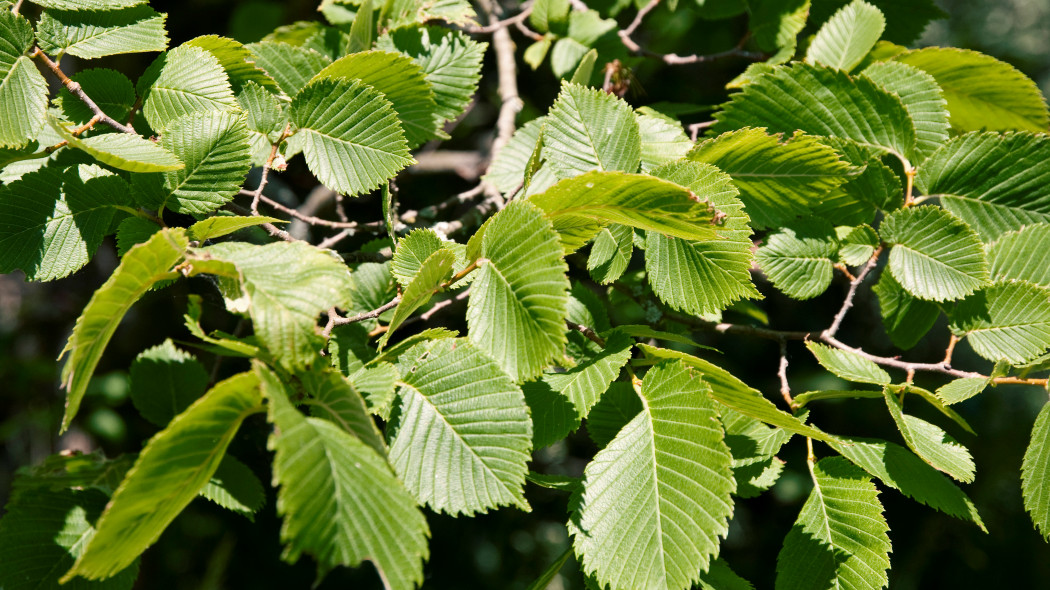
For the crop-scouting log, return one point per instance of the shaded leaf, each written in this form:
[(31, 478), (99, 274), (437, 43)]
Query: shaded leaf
[(290, 65), (165, 381), (112, 92), (847, 365), (337, 400), (1035, 473), (222, 225), (1009, 320), (907, 318), (931, 443), (923, 99), (434, 272), (235, 487), (798, 258)]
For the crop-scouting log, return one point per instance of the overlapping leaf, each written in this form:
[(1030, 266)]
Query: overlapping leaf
[(1035, 473), (702, 276), (1011, 256), (588, 129), (754, 446), (434, 271), (1010, 320), (821, 101), (290, 65), (935, 255), (518, 300), (23, 90), (287, 285), (461, 438), (92, 34), (906, 317), (221, 225), (265, 118), (982, 92), (777, 181), (930, 442), (124, 151), (339, 499), (450, 60), (89, 4), (238, 62), (235, 487), (507, 170), (657, 497), (139, 269), (400, 80), (184, 80), (798, 258), (333, 398), (579, 207), (996, 183), (411, 251), (839, 539), (584, 384), (662, 142), (845, 39), (111, 91), (54, 220), (169, 472), (351, 136), (611, 253), (165, 381), (905, 19), (923, 99)]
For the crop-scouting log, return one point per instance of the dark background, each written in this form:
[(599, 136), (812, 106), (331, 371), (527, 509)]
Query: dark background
[(207, 547)]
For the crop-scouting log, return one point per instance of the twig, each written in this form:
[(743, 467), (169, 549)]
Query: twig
[(672, 59), (334, 319), (425, 316), (264, 179), (472, 218), (411, 217), (527, 31), (270, 228), (371, 226), (696, 128), (854, 284), (16, 7), (785, 388), (637, 22), (589, 333), (333, 240), (501, 24), (468, 165), (899, 364), (507, 72), (952, 341), (75, 89)]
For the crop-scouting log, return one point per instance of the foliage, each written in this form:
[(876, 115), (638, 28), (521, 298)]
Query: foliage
[(838, 156)]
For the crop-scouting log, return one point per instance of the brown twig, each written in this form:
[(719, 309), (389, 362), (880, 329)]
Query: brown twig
[(854, 284), (696, 128), (785, 388), (334, 319), (265, 178), (75, 89), (501, 24), (589, 333), (952, 341), (673, 59), (507, 73)]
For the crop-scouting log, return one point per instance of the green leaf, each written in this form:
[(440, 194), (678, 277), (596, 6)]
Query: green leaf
[(222, 225), (821, 101), (266, 120), (517, 307), (168, 474), (507, 170), (124, 151), (905, 19), (661, 141), (848, 365), (802, 399), (450, 60), (845, 39), (923, 99), (377, 383), (798, 258), (339, 499), (982, 92), (775, 24), (579, 207), (290, 65), (754, 446), (400, 80), (996, 183), (214, 147), (658, 495), (702, 277), (935, 256), (235, 487), (931, 443), (112, 92), (434, 272), (858, 244), (412, 250), (54, 220), (165, 381), (720, 577), (184, 80), (461, 437), (352, 139), (898, 468), (93, 34), (238, 62), (44, 531), (81, 471), (962, 389), (338, 401), (777, 181), (88, 4), (611, 253), (553, 415), (139, 269), (398, 13), (617, 406), (878, 186), (839, 539), (1011, 256), (587, 129), (287, 286), (906, 317), (584, 384), (1010, 320), (1035, 473), (737, 395), (23, 89)]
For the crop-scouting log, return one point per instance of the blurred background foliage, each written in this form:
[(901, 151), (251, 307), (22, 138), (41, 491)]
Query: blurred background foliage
[(208, 548)]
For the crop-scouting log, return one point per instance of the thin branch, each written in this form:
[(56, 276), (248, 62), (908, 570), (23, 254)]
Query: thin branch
[(524, 30), (854, 284), (696, 128), (472, 218), (265, 178), (501, 24), (782, 372), (589, 333), (270, 228), (334, 319), (507, 72), (75, 89), (637, 22), (425, 316), (952, 341), (899, 364), (411, 217), (672, 59), (16, 7)]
